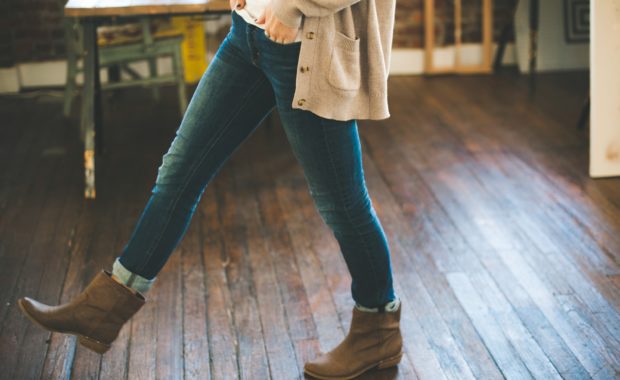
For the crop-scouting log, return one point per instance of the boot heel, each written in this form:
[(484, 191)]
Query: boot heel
[(92, 344), (389, 362)]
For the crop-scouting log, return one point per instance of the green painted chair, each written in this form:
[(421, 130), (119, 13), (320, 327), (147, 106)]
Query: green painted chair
[(119, 45)]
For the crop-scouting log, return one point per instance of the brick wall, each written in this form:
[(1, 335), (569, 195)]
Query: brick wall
[(31, 30)]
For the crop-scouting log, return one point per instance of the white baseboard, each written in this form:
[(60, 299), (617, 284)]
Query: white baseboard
[(53, 73), (9, 81), (42, 74), (411, 61)]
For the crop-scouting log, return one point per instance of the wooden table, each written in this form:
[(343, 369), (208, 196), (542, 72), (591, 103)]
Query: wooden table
[(91, 13)]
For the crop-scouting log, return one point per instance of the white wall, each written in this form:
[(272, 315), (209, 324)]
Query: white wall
[(605, 88), (553, 51)]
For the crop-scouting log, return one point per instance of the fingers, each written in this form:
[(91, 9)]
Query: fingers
[(279, 37), (274, 29), (261, 19)]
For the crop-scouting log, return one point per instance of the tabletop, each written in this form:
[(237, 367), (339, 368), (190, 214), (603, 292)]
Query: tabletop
[(86, 8)]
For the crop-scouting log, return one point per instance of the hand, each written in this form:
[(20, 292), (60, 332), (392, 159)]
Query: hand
[(275, 30), (234, 3)]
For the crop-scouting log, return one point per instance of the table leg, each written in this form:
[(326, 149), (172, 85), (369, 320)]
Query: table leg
[(98, 114), (91, 111)]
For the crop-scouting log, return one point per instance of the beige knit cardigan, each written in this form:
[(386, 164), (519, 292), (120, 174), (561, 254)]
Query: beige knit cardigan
[(344, 57)]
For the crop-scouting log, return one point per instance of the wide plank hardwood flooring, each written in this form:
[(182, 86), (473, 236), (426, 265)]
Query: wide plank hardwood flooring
[(505, 253)]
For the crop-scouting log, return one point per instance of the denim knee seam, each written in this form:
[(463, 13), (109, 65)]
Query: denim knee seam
[(199, 162)]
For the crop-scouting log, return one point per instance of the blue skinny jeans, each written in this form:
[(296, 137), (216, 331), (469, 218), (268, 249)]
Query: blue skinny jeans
[(249, 76)]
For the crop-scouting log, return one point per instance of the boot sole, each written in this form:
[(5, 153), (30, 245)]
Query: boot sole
[(88, 342), (385, 363)]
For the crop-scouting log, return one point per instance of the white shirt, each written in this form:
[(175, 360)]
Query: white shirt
[(253, 9)]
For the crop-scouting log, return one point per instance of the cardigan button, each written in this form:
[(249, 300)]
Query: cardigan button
[(303, 69), (310, 35), (301, 102)]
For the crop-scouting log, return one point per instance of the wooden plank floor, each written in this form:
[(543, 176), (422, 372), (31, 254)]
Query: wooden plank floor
[(506, 254)]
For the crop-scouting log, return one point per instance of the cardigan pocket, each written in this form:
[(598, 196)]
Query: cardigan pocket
[(344, 67)]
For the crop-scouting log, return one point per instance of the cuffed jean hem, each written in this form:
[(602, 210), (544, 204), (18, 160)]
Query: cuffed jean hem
[(390, 306), (133, 280)]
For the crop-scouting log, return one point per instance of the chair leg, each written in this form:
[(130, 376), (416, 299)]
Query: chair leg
[(177, 66), (70, 81), (153, 73)]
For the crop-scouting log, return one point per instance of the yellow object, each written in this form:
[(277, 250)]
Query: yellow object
[(193, 47)]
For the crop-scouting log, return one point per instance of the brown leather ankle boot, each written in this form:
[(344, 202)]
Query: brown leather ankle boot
[(96, 315), (373, 340)]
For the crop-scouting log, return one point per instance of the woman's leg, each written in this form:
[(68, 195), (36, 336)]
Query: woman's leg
[(231, 100), (330, 154)]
